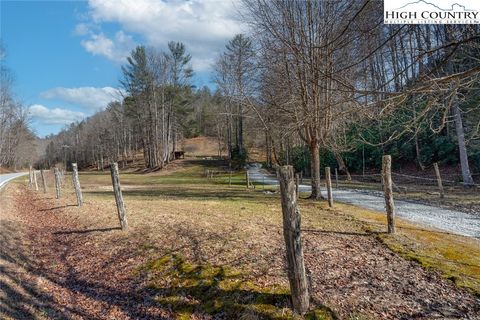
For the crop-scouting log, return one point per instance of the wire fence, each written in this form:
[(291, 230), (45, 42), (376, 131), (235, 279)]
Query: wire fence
[(422, 188)]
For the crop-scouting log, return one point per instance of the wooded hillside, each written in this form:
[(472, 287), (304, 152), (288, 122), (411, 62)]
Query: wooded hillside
[(314, 84)]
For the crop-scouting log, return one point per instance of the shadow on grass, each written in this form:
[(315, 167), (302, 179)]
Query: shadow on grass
[(59, 207), (218, 291), (24, 299), (197, 194), (87, 231), (320, 231)]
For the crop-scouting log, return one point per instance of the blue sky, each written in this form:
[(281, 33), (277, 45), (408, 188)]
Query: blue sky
[(66, 55)]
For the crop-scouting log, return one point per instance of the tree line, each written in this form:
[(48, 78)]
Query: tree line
[(315, 83), (16, 138)]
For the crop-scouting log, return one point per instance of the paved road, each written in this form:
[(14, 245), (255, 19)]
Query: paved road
[(449, 220), (4, 178)]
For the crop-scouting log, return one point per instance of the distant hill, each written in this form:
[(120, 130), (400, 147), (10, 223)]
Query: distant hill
[(201, 146)]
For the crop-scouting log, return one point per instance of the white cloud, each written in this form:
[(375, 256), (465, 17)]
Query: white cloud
[(204, 26), (81, 29), (117, 49), (88, 97), (55, 115)]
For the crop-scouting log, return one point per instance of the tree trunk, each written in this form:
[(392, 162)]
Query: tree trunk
[(174, 142), (315, 171), (101, 159), (341, 165), (268, 149), (462, 148), (240, 128), (417, 144)]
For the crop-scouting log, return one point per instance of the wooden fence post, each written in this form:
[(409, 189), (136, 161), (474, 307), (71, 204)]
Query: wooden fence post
[(56, 173), (293, 241), (387, 190), (247, 179), (336, 178), (76, 184), (122, 214), (30, 177), (35, 179), (297, 182), (44, 182), (439, 180), (328, 180)]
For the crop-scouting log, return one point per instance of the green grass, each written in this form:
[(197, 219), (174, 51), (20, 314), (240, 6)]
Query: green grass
[(456, 257), (175, 210), (217, 217), (214, 289)]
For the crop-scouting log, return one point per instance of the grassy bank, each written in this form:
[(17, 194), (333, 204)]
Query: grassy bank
[(208, 247)]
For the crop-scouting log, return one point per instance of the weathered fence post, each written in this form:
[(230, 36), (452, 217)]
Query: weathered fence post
[(439, 180), (336, 178), (76, 184), (247, 179), (293, 241), (56, 173), (328, 180), (30, 177), (387, 190), (35, 179), (44, 182), (297, 182), (122, 214)]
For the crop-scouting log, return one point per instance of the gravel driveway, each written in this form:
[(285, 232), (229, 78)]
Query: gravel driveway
[(449, 220)]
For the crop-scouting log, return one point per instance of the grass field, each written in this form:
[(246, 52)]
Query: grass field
[(204, 247), (187, 190)]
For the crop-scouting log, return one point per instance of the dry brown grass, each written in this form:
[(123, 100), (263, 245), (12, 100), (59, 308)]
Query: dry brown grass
[(193, 241), (201, 147)]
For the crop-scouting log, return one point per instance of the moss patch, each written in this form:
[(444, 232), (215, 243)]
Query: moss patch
[(217, 290), (456, 257)]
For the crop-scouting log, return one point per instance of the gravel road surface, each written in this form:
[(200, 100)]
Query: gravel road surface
[(449, 220)]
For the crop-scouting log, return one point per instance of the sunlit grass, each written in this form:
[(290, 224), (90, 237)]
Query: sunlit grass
[(181, 221), (456, 257)]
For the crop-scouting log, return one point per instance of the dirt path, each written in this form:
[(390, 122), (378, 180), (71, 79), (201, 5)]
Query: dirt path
[(444, 219), (55, 266)]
